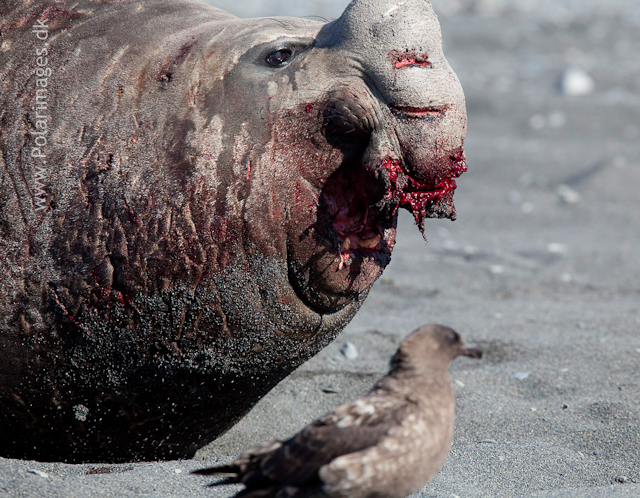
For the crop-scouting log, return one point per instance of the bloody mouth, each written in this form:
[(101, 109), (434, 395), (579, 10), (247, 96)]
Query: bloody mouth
[(421, 199), (361, 229), (363, 210)]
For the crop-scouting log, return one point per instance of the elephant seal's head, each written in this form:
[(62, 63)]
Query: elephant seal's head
[(346, 124), (219, 196)]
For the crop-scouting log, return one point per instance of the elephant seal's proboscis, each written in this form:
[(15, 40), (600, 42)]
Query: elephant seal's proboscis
[(193, 204)]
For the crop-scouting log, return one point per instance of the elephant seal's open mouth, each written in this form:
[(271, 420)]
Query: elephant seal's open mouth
[(356, 227), (361, 227)]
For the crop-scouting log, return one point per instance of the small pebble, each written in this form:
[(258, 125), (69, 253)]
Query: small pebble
[(177, 471), (565, 406), (564, 370), (488, 441), (557, 248), (598, 452), (330, 390), (496, 269), (622, 479), (470, 250), (459, 383), (582, 325), (576, 82), (39, 473), (349, 350), (568, 195), (521, 375), (533, 409)]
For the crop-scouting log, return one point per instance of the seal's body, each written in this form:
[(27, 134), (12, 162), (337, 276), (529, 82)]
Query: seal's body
[(193, 204)]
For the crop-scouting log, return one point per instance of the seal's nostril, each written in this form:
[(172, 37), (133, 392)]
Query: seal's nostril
[(345, 120)]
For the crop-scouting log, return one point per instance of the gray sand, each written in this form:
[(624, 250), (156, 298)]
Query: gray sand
[(549, 288)]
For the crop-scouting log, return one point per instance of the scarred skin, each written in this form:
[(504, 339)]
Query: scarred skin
[(207, 217)]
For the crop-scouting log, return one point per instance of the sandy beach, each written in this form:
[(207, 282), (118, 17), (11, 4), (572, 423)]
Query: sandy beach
[(542, 269)]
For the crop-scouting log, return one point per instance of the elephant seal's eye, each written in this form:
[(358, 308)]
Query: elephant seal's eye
[(454, 337), (280, 57)]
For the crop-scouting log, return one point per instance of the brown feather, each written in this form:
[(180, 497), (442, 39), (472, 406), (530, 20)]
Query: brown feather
[(402, 429)]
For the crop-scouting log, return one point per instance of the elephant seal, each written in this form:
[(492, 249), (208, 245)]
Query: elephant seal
[(194, 204)]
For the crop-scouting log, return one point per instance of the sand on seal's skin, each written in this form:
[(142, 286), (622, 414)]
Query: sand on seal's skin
[(548, 288)]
